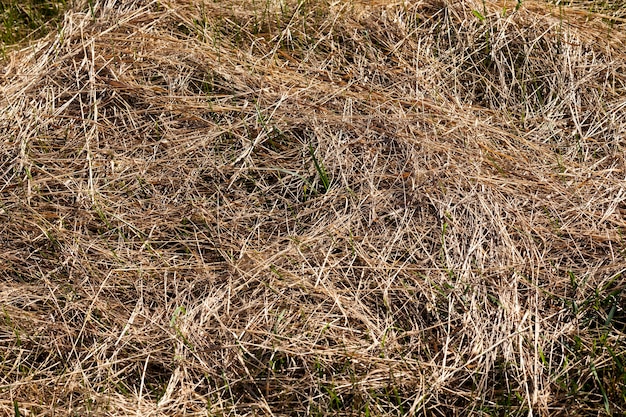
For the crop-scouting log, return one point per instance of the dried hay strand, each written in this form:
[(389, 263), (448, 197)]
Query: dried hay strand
[(309, 207)]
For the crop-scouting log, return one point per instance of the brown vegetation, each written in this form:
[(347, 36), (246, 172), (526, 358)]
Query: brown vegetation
[(312, 207)]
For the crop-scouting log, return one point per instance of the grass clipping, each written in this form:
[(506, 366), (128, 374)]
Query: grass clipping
[(303, 207)]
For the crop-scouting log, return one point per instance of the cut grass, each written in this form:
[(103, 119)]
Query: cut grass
[(315, 208)]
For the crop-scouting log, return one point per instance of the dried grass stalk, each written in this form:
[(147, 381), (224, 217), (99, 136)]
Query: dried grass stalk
[(310, 207)]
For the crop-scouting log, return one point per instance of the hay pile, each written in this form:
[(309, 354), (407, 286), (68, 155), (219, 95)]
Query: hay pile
[(310, 207)]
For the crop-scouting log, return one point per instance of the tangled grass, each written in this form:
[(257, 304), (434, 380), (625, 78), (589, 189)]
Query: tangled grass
[(315, 208)]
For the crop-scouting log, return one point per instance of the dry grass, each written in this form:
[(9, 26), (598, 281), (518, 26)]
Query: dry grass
[(312, 207)]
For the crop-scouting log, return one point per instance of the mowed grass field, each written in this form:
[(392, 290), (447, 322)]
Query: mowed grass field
[(313, 207)]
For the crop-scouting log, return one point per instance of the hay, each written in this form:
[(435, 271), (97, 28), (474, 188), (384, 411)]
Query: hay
[(326, 208)]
